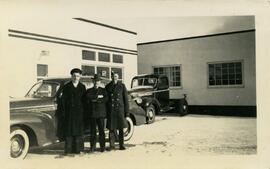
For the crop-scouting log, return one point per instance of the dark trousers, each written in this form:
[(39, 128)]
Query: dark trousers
[(94, 123), (73, 144), (113, 136)]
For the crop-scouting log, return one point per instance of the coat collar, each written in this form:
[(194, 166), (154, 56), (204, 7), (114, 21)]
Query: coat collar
[(79, 84)]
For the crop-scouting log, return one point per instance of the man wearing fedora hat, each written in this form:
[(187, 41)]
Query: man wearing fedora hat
[(96, 98), (71, 115)]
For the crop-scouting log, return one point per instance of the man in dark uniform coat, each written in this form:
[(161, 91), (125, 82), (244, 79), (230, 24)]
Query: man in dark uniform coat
[(118, 110), (72, 112), (96, 99)]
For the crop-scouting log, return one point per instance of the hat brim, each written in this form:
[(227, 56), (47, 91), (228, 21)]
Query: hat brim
[(75, 71)]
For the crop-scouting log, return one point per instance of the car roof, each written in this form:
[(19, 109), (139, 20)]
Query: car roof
[(149, 75)]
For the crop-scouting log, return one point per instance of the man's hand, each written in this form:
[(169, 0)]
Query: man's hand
[(100, 96)]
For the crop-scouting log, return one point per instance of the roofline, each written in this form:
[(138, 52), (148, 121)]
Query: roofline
[(105, 25), (59, 40), (195, 37)]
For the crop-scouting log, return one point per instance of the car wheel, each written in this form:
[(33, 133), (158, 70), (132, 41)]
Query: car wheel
[(19, 143), (182, 107), (150, 114), (128, 132)]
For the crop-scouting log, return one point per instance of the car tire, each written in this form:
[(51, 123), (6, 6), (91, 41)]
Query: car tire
[(150, 114), (182, 107), (19, 143), (128, 132)]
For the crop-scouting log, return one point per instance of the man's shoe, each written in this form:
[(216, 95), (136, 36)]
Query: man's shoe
[(102, 149), (122, 148)]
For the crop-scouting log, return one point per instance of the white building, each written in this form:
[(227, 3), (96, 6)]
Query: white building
[(216, 71), (51, 47)]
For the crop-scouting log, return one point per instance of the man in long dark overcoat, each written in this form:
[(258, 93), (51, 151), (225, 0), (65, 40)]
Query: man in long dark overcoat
[(118, 110), (96, 99), (72, 111)]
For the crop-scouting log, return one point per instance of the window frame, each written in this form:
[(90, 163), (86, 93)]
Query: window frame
[(95, 55), (90, 65), (226, 86), (103, 60), (103, 66), (118, 67), (42, 77), (114, 54), (110, 69), (173, 65)]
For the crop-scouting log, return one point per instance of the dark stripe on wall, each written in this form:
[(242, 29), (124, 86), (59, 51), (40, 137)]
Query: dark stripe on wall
[(108, 26), (70, 44), (242, 111), (68, 40), (195, 37)]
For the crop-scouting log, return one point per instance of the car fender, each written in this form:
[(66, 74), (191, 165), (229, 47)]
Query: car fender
[(41, 124), (148, 100), (137, 114)]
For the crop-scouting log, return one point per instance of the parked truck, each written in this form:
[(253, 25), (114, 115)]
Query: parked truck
[(152, 93)]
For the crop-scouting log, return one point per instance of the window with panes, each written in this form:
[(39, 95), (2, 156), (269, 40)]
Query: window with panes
[(225, 74), (172, 72)]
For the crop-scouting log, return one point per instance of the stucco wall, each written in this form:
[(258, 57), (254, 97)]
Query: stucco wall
[(193, 56), (25, 54)]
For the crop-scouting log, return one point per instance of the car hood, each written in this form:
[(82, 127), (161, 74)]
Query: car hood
[(143, 91), (17, 104)]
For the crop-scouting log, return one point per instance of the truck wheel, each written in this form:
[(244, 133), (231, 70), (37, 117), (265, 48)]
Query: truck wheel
[(19, 143), (150, 114), (182, 107), (128, 132)]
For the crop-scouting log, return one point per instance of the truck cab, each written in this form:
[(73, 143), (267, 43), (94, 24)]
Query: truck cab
[(152, 93)]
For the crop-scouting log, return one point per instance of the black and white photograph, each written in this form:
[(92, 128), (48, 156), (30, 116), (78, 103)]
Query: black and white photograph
[(145, 91)]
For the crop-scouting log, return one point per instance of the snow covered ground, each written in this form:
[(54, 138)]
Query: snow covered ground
[(174, 139)]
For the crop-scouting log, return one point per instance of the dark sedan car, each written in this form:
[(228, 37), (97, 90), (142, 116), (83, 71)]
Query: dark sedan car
[(32, 118)]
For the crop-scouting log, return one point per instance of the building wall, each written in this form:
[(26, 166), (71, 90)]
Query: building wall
[(25, 54), (193, 56)]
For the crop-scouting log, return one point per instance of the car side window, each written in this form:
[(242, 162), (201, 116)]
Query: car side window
[(44, 89)]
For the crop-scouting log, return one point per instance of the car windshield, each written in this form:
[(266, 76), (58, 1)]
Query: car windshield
[(142, 82), (43, 89)]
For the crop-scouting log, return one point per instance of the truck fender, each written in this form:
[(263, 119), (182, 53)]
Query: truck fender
[(154, 101)]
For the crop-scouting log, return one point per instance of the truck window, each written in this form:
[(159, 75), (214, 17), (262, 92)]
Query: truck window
[(143, 82), (163, 83)]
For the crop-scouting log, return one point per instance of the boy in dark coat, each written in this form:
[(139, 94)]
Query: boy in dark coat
[(118, 110), (96, 98), (72, 112)]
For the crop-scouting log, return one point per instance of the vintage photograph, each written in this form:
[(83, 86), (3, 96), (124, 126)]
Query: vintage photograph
[(164, 84), (101, 87)]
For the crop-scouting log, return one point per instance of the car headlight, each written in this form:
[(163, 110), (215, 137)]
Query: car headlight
[(138, 100)]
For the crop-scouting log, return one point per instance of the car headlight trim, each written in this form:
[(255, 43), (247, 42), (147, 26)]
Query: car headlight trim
[(138, 100)]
